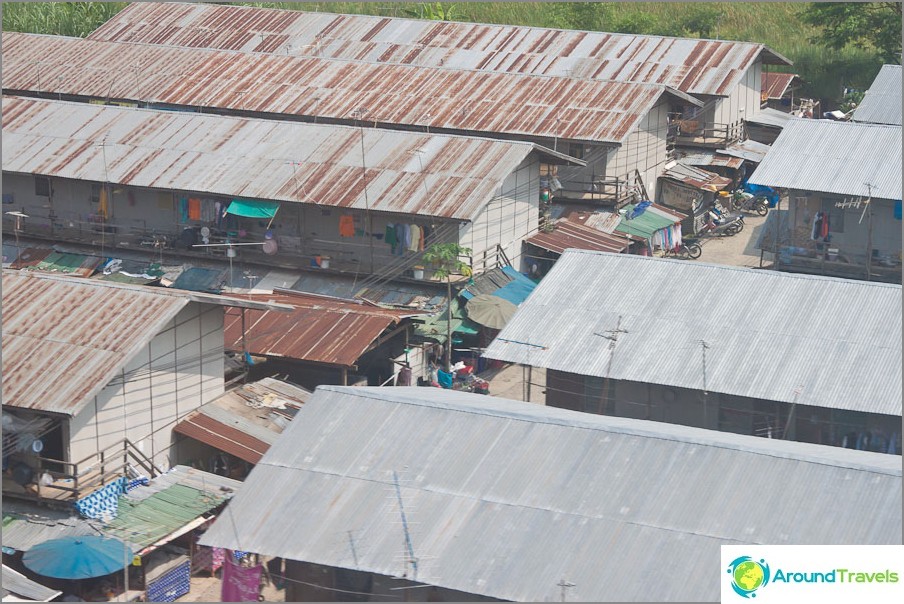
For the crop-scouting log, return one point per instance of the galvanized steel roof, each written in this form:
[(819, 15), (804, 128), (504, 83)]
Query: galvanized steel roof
[(505, 498), (882, 102), (834, 157), (775, 336), (710, 67), (462, 100), (319, 329), (769, 117), (407, 173), (775, 85), (20, 586), (64, 338), (750, 150), (27, 524), (244, 422)]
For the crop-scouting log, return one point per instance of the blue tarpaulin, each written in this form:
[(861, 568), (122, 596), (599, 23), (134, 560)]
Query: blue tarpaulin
[(518, 290), (767, 192)]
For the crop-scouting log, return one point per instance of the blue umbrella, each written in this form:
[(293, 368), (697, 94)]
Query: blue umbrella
[(79, 557)]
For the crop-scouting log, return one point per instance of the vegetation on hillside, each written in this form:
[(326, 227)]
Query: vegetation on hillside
[(833, 45)]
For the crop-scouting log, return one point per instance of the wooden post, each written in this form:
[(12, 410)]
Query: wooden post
[(345, 376)]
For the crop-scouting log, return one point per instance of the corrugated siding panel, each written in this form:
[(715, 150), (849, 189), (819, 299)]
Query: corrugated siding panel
[(525, 105), (775, 84), (834, 157), (222, 436), (882, 102), (710, 67), (63, 340), (507, 498), (319, 330), (770, 335), (250, 157)]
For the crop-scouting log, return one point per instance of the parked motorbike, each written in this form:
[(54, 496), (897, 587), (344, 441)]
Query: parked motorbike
[(743, 201), (722, 223), (689, 248)]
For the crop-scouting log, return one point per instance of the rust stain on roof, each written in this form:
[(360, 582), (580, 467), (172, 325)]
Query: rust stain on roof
[(321, 330), (567, 234), (469, 45), (270, 83), (776, 84)]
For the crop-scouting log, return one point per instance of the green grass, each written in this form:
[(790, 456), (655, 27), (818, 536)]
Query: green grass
[(777, 24)]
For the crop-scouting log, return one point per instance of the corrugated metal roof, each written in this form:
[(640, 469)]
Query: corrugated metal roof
[(505, 498), (769, 117), (462, 100), (185, 476), (21, 586), (423, 296), (30, 257), (711, 67), (750, 150), (834, 157), (145, 520), (816, 341), (567, 234), (708, 158), (882, 102), (653, 218), (407, 173), (696, 177), (319, 329), (64, 339), (26, 524), (775, 85), (244, 422)]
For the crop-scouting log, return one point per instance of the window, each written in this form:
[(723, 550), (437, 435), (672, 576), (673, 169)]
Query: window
[(576, 150), (42, 186)]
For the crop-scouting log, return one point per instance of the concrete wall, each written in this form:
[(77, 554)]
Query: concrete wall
[(177, 372), (714, 411), (644, 150), (307, 582), (511, 217)]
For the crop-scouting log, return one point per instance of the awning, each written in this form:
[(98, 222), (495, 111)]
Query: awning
[(250, 208), (653, 219)]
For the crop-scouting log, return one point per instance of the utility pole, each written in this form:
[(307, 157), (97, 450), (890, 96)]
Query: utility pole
[(612, 336), (564, 585), (704, 346)]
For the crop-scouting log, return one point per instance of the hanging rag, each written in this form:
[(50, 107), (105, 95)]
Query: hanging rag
[(420, 244), (444, 379), (400, 237), (415, 238), (218, 213), (183, 209), (825, 226), (406, 234), (194, 208), (390, 236), (346, 225)]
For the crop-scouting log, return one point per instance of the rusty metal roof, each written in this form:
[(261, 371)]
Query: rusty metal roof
[(710, 158), (320, 329), (775, 85), (697, 178), (567, 234), (407, 173), (533, 106), (711, 67), (244, 422), (64, 338)]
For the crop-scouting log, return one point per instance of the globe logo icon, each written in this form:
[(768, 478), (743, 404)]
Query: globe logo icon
[(748, 575)]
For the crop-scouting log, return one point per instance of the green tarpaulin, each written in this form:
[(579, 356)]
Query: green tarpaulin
[(644, 225), (250, 208)]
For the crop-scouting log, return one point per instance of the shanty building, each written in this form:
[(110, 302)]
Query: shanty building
[(617, 128), (358, 200), (451, 496), (843, 185), (778, 91), (882, 102), (97, 373), (725, 75), (765, 353), (323, 340)]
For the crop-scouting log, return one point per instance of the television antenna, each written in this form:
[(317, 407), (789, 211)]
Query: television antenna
[(412, 559), (230, 251)]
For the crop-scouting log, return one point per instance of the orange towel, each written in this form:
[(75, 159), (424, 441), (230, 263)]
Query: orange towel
[(194, 208), (346, 226)]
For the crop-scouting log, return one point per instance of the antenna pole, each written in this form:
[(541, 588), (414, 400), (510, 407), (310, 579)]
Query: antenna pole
[(411, 557)]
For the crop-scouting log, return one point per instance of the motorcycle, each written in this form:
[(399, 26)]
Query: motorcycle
[(689, 248), (721, 223), (743, 201)]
